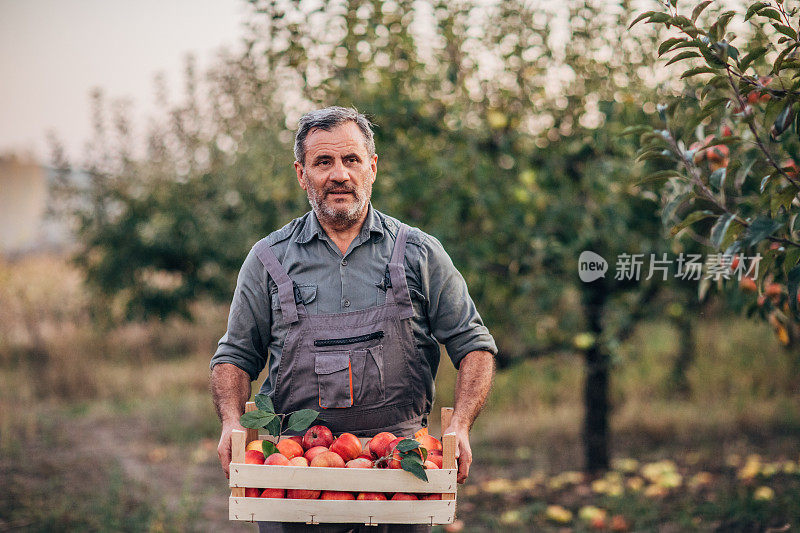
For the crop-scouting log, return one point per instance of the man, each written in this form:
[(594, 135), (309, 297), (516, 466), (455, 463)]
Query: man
[(345, 306)]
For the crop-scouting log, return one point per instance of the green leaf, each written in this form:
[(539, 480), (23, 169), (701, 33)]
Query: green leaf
[(406, 445), (690, 219), (301, 420), (640, 18), (274, 426), (699, 9), (683, 55), (786, 30), (794, 281), (719, 229), (672, 206), (661, 175), (782, 122), (752, 56), (755, 8), (668, 44), (760, 229), (413, 465), (264, 402), (698, 70), (770, 13), (269, 447), (659, 18), (256, 419), (791, 259), (631, 130), (742, 173), (717, 178), (650, 154), (780, 199)]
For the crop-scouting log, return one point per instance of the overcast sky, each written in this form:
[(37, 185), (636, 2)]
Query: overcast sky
[(53, 52)]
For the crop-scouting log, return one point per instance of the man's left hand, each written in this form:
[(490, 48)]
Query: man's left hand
[(463, 451)]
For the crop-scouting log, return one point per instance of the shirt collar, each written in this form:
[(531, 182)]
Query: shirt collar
[(312, 228)]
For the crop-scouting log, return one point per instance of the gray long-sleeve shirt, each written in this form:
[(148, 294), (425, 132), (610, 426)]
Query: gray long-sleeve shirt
[(330, 282)]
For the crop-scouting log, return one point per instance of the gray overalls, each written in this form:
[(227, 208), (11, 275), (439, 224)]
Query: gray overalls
[(360, 369)]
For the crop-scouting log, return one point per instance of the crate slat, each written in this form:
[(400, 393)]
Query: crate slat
[(343, 479), (351, 511)]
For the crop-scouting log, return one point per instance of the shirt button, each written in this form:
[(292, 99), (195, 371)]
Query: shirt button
[(346, 303), (344, 262)]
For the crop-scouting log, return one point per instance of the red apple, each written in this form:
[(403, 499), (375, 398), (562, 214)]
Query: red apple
[(329, 459), (277, 459), (436, 458), (251, 492), (290, 448), (273, 493), (298, 439), (347, 445), (404, 496), (394, 462), (430, 443), (253, 457), (336, 495), (379, 444), (393, 444), (432, 496), (317, 436), (298, 461), (430, 465), (303, 494), (371, 496), (315, 451), (359, 462)]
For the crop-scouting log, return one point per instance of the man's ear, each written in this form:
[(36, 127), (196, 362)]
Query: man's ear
[(298, 167), (374, 167)]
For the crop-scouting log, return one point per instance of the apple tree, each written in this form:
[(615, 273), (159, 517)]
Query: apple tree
[(723, 158)]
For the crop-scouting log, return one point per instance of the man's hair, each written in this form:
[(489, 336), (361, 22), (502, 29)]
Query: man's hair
[(327, 119)]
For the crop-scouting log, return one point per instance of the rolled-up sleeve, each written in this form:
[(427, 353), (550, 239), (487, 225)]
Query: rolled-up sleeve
[(453, 317), (245, 343)]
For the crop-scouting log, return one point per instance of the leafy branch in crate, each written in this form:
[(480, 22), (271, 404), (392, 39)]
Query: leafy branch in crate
[(412, 457), (265, 417)]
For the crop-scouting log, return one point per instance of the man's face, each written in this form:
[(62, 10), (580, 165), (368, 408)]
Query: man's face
[(338, 174)]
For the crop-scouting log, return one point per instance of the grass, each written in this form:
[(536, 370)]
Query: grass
[(107, 429)]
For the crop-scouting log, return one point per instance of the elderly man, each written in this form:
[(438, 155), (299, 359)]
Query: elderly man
[(346, 307)]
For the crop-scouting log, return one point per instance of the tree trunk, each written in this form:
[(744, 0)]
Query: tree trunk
[(679, 381), (596, 400)]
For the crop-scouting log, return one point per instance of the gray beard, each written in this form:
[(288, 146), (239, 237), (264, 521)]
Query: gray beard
[(339, 218)]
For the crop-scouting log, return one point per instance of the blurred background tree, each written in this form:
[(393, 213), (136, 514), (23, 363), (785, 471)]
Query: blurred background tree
[(498, 130)]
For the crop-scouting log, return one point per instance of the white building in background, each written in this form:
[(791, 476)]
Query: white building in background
[(25, 197)]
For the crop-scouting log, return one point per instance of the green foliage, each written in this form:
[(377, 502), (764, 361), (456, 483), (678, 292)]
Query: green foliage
[(729, 142), (513, 162), (265, 417)]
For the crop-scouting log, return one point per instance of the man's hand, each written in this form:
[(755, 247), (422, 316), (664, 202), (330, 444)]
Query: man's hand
[(230, 388), (224, 447), (463, 451), (473, 382)]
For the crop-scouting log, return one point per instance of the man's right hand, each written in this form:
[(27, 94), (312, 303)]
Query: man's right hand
[(224, 448)]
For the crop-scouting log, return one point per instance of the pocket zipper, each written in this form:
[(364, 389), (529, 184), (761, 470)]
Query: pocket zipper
[(349, 340)]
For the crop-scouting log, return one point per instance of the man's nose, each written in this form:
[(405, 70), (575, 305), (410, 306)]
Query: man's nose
[(339, 172)]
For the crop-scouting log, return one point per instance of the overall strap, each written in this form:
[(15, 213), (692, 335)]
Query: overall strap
[(286, 289), (397, 273)]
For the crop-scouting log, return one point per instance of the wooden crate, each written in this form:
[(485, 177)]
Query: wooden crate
[(342, 479)]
